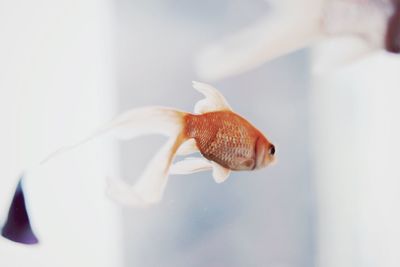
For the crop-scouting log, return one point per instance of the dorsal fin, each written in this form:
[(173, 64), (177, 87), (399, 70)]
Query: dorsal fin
[(213, 101)]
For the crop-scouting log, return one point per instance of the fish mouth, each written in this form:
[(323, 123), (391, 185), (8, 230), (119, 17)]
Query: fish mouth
[(268, 161), (273, 161)]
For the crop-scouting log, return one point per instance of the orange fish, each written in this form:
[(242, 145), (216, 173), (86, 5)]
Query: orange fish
[(227, 141)]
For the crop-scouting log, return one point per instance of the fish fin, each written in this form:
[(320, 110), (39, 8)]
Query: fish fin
[(220, 173), (269, 38), (139, 121), (246, 162), (146, 120), (188, 147), (213, 101), (191, 165), (123, 193), (133, 123), (150, 186)]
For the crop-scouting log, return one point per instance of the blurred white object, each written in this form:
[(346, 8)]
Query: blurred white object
[(292, 25), (56, 80), (356, 132)]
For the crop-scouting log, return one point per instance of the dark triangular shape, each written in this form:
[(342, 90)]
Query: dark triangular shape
[(18, 227)]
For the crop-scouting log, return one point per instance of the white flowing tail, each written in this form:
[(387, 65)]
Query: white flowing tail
[(150, 186)]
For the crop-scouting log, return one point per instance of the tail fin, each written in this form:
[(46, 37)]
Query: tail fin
[(150, 186), (133, 123), (148, 189)]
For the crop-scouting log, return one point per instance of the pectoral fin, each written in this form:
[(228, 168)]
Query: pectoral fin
[(220, 173), (191, 165)]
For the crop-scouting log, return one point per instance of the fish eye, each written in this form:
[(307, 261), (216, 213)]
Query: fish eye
[(272, 150)]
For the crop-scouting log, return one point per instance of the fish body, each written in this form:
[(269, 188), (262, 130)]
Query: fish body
[(228, 139)]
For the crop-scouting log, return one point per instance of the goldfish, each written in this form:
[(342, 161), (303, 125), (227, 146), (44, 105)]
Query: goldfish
[(226, 142), (361, 26)]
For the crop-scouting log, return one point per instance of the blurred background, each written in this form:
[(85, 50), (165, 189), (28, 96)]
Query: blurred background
[(68, 66), (262, 218)]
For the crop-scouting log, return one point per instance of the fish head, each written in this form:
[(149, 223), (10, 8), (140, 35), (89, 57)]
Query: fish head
[(264, 152)]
